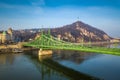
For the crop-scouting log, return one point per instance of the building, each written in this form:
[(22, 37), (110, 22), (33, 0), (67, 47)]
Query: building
[(115, 40), (6, 36)]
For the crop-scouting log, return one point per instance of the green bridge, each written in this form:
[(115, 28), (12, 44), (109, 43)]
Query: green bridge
[(46, 41)]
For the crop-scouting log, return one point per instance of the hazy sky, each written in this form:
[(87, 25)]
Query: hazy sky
[(21, 14)]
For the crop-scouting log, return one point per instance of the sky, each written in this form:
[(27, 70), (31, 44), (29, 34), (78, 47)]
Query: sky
[(26, 14)]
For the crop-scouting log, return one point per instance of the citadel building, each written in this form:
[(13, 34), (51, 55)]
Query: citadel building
[(6, 36)]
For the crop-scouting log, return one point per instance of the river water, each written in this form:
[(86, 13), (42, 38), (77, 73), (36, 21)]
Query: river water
[(29, 66)]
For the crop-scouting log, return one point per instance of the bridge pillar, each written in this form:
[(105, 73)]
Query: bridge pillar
[(44, 52)]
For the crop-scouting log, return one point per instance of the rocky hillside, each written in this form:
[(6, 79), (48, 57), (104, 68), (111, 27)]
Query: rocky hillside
[(78, 32)]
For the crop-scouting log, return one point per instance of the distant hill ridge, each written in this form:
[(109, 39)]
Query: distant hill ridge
[(76, 32), (79, 32)]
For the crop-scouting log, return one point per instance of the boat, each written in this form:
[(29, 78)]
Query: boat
[(17, 50)]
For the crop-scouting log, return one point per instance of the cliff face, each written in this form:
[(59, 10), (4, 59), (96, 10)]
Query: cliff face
[(78, 32)]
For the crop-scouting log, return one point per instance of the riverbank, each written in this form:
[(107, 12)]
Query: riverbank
[(11, 50), (97, 43), (10, 47)]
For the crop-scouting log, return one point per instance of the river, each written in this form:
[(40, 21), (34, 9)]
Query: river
[(29, 66)]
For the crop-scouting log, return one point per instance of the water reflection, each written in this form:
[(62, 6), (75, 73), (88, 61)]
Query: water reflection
[(6, 59), (27, 67), (61, 65), (17, 67), (48, 66), (73, 56), (103, 66), (47, 73)]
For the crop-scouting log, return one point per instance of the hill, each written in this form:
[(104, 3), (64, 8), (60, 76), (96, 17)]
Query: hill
[(78, 32)]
